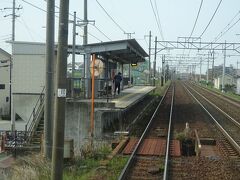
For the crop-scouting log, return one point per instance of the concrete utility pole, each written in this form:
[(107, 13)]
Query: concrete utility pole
[(11, 110), (73, 52), (149, 66), (12, 113), (85, 29), (86, 56), (129, 35), (60, 98), (13, 20), (208, 70), (200, 69), (213, 67), (224, 62), (154, 64), (49, 84)]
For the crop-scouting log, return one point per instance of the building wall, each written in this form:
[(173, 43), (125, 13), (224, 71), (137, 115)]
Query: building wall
[(238, 86), (29, 68), (4, 81), (227, 80), (28, 76)]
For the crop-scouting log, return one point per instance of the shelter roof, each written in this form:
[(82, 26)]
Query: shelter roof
[(123, 51)]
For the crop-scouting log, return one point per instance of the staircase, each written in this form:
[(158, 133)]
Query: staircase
[(35, 125), (37, 135)]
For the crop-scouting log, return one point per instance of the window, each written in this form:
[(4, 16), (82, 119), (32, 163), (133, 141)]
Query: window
[(2, 86)]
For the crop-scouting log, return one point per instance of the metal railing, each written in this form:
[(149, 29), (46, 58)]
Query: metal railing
[(33, 119)]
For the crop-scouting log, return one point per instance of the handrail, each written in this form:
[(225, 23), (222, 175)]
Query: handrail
[(36, 110)]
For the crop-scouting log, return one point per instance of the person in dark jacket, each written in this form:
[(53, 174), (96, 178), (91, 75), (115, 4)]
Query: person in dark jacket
[(117, 81)]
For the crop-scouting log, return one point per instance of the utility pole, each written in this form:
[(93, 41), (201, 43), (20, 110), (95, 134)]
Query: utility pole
[(11, 66), (154, 64), (129, 35), (86, 56), (73, 52), (149, 65), (77, 24), (213, 59), (11, 110), (60, 98), (200, 69), (49, 84), (208, 70), (85, 29), (162, 70), (224, 62)]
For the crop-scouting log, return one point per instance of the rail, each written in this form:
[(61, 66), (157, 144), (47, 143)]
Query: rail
[(129, 164), (224, 132), (165, 173), (227, 115), (29, 127)]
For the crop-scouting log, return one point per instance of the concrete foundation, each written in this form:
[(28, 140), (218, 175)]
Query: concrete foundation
[(107, 119)]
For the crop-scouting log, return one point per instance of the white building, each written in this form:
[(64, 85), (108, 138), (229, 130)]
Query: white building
[(228, 79), (28, 76), (5, 58), (238, 85)]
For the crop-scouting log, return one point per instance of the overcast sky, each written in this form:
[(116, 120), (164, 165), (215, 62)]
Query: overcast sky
[(177, 19)]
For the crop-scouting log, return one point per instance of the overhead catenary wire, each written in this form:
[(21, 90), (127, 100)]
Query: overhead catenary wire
[(158, 23), (58, 17), (227, 28), (211, 18), (102, 32), (159, 20), (110, 17), (195, 23)]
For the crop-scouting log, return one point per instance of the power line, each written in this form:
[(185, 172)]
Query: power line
[(228, 29), (211, 18), (196, 19), (111, 17), (158, 24), (159, 20), (224, 30), (34, 6), (102, 32), (58, 17)]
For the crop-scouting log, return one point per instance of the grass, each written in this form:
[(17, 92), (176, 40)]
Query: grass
[(229, 94), (161, 89), (93, 164)]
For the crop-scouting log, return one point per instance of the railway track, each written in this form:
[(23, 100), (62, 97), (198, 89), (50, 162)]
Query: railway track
[(145, 160), (218, 161), (229, 126), (224, 103)]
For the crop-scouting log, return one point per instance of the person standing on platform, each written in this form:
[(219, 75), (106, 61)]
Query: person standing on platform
[(117, 81)]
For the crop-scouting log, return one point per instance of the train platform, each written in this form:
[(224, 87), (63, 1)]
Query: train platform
[(130, 95), (126, 98)]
